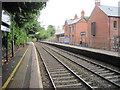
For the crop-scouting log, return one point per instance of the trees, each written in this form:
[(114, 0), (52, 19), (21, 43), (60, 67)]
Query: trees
[(23, 19), (45, 34), (24, 12), (51, 30)]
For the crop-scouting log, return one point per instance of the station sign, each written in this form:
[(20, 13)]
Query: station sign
[(6, 19), (5, 29), (82, 33)]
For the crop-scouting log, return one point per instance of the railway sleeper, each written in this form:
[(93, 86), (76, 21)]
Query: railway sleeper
[(102, 69), (66, 81), (106, 74), (115, 80), (58, 69), (115, 76), (102, 72), (61, 78), (53, 68), (61, 74), (69, 85), (92, 68)]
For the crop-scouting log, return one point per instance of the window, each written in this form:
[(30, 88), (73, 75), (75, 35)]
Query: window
[(93, 28), (115, 24), (73, 28)]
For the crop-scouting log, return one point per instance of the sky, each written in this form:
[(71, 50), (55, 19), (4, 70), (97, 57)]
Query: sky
[(57, 11)]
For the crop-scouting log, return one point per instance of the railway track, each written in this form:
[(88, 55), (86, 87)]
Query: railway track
[(59, 73), (108, 74)]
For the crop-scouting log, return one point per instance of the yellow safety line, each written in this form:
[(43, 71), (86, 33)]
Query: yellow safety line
[(12, 74)]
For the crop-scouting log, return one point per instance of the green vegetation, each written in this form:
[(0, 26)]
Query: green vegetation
[(43, 34), (87, 18), (24, 22)]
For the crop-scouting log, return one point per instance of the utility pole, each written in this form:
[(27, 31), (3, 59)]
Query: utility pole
[(0, 45), (12, 37)]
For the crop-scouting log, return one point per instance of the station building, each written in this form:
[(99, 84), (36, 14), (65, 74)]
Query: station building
[(58, 33), (76, 29), (103, 27)]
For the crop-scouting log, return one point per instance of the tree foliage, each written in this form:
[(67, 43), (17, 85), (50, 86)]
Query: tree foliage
[(45, 34), (51, 30), (24, 12), (24, 17)]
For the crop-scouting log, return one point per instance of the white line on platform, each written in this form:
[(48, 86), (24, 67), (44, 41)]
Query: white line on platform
[(36, 81)]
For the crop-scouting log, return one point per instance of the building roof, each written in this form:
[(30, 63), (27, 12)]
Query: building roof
[(73, 21), (59, 31), (110, 10)]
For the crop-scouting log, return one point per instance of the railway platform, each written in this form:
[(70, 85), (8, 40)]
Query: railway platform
[(22, 71), (110, 57), (110, 53)]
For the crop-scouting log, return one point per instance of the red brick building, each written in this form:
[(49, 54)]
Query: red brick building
[(76, 29), (103, 27)]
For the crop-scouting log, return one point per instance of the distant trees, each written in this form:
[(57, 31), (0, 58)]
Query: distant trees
[(87, 18), (51, 30), (45, 34)]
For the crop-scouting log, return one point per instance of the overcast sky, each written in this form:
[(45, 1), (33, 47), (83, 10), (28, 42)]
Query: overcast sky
[(57, 11)]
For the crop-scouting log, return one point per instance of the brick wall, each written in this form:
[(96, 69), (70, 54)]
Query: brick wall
[(104, 30), (80, 27)]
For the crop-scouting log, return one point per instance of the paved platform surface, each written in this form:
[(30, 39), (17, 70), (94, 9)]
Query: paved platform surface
[(90, 49), (23, 70)]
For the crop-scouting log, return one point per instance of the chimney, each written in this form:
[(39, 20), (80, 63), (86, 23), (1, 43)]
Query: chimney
[(75, 17), (97, 2), (82, 13)]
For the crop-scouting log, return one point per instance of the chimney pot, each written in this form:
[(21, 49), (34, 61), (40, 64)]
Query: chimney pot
[(82, 13), (97, 2), (75, 17)]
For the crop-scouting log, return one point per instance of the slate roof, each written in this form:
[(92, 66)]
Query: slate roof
[(72, 21), (59, 31), (110, 10)]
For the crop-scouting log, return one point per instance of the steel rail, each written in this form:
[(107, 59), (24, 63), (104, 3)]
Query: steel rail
[(91, 61), (46, 68), (85, 59), (117, 85), (89, 86)]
